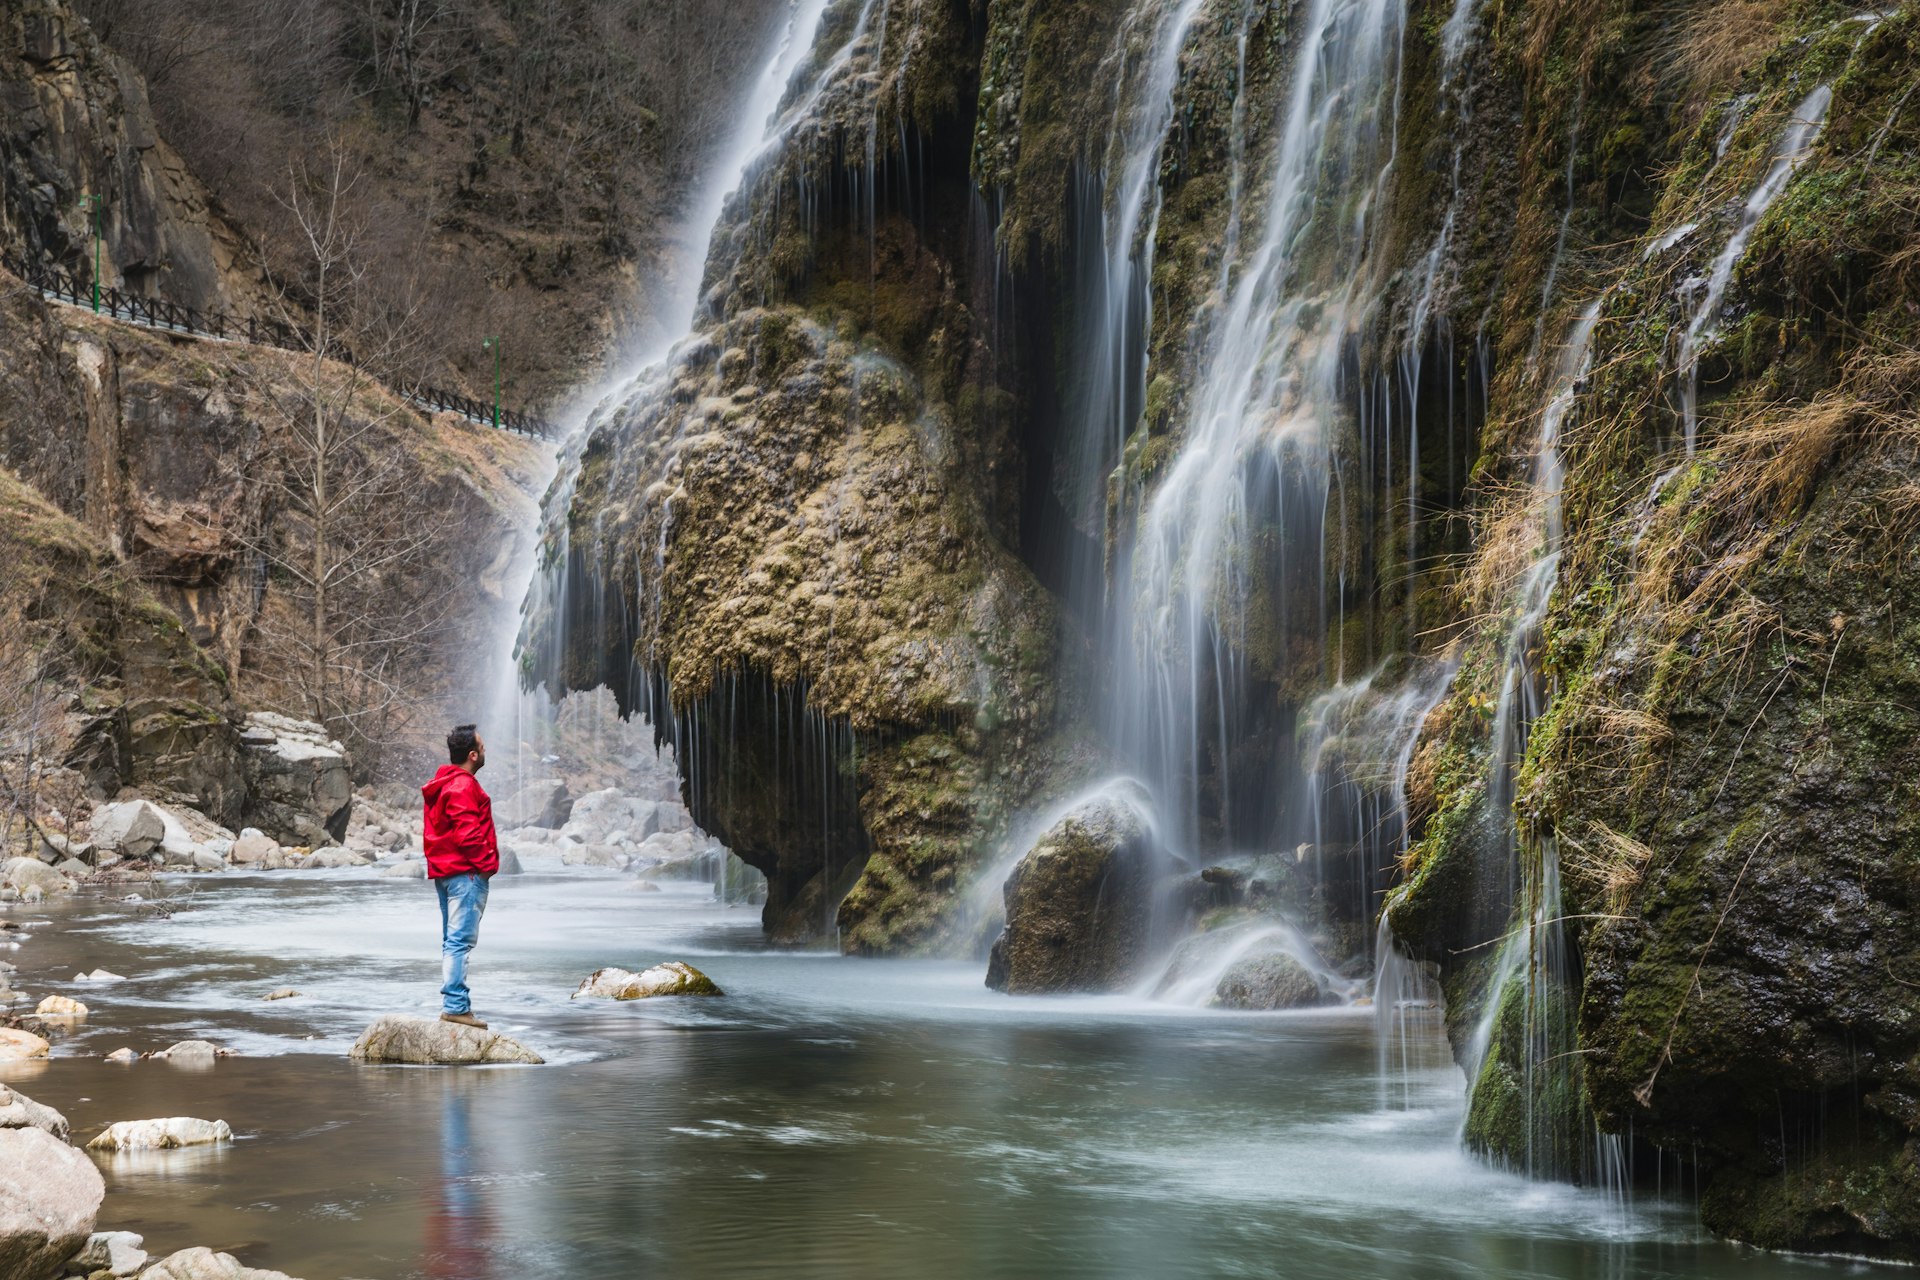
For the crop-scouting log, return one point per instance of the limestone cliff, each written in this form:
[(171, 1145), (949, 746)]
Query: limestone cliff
[(1562, 360)]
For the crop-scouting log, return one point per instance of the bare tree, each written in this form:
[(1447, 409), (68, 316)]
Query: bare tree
[(352, 608), (30, 706)]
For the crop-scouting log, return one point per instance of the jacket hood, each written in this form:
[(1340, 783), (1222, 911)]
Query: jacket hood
[(442, 780)]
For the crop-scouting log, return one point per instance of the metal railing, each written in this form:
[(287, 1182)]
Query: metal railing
[(158, 313)]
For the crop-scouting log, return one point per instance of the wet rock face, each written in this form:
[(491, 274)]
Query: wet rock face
[(1085, 906)]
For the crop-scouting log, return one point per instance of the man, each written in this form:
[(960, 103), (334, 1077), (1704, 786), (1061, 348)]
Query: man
[(462, 855)]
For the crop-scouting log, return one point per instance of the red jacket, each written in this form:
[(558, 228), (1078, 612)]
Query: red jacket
[(459, 825)]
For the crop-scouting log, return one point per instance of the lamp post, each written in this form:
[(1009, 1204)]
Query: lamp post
[(92, 204), (494, 345)]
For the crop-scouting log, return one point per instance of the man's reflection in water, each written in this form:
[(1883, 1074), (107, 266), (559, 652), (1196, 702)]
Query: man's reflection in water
[(459, 1223)]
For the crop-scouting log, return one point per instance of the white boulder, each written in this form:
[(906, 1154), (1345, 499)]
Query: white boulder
[(117, 1253), (161, 1135), (396, 1038), (29, 874)]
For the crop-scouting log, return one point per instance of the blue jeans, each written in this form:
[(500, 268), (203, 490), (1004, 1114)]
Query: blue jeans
[(463, 900)]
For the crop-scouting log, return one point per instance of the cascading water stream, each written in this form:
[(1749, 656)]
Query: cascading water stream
[(1536, 1041), (1795, 143), (1127, 196)]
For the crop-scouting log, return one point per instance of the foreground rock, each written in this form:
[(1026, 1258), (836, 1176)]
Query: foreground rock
[(429, 1041), (674, 978), (49, 1196), (117, 1253), (1082, 905), (161, 1135), (205, 1264), (300, 785)]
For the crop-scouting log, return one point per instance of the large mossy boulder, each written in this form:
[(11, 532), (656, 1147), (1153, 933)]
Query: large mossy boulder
[(1086, 905)]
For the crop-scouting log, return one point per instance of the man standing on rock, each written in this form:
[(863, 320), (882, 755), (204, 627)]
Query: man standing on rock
[(462, 855)]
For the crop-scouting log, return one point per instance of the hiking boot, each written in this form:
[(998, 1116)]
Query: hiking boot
[(464, 1019)]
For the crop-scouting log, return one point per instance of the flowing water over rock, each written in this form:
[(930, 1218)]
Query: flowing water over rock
[(828, 1117)]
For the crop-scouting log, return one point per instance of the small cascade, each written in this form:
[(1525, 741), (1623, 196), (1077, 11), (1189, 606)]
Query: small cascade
[(1802, 131)]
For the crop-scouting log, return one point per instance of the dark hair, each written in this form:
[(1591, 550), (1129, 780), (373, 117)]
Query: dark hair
[(461, 742)]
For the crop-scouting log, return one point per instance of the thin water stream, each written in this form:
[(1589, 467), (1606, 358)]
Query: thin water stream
[(829, 1117)]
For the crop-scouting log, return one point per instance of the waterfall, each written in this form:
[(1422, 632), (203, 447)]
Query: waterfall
[(1117, 288), (1257, 439), (523, 717), (1802, 131)]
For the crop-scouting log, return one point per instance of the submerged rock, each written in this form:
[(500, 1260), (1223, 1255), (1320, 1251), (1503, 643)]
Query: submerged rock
[(280, 993), (1081, 905), (99, 975), (161, 1135), (61, 1007), (674, 978), (204, 1264), (122, 1054), (397, 1038), (49, 1196)]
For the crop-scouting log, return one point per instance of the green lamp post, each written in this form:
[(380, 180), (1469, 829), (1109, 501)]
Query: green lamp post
[(493, 344), (92, 205)]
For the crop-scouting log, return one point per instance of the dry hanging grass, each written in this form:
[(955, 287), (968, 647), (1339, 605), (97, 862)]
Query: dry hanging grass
[(1718, 42), (1606, 861)]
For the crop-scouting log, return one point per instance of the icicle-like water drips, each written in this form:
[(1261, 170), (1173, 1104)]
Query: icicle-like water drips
[(1795, 143), (1530, 996), (1257, 433)]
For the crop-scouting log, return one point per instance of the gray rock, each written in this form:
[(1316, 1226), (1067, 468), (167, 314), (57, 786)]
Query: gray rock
[(115, 1252), (73, 868), (57, 848), (189, 1053), (208, 860), (1272, 980), (49, 1196), (18, 1111), (254, 848), (131, 828), (509, 861), (204, 1264), (410, 868), (30, 874), (544, 802), (396, 1038), (1082, 904), (300, 785), (334, 859)]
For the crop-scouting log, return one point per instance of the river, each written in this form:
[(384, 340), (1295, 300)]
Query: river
[(830, 1117)]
